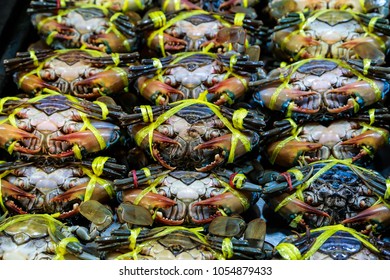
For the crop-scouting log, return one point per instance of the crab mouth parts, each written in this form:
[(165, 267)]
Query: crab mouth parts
[(92, 42), (346, 151), (85, 91), (316, 155), (34, 146), (337, 102), (192, 159), (66, 208), (310, 103)]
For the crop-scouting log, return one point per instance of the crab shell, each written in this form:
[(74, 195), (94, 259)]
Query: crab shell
[(193, 139), (186, 198), (333, 34), (340, 139), (83, 73), (330, 192), (52, 127), (91, 27), (319, 89)]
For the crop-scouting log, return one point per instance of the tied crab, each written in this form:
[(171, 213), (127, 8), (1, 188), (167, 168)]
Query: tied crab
[(322, 89), (227, 238), (329, 192), (342, 139), (197, 30), (222, 79), (56, 188), (39, 237), (194, 134), (281, 8), (83, 73), (332, 243), (177, 198), (91, 27), (333, 34), (57, 126)]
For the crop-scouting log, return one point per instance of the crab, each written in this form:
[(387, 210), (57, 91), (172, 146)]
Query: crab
[(333, 34), (197, 30), (233, 239), (30, 188), (91, 27), (281, 8), (322, 89), (223, 79), (310, 142), (178, 198), (194, 134), (327, 193), (332, 243), (83, 73), (56, 126), (39, 237)]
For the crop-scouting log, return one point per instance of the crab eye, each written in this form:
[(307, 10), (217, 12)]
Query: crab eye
[(100, 29), (213, 80), (166, 130), (211, 34), (170, 80), (48, 74), (212, 133)]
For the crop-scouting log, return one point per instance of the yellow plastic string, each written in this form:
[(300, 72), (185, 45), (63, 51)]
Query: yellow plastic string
[(148, 130), (140, 4), (61, 247), (5, 99), (77, 152), (238, 118), (158, 18), (238, 180), (387, 193), (288, 251), (133, 238), (331, 230), (243, 199), (103, 107), (196, 231), (175, 2), (383, 132), (98, 165), (147, 113), (115, 58), (34, 58), (239, 19), (95, 179), (245, 3), (150, 188), (227, 248), (366, 65), (371, 113), (95, 132), (282, 143), (363, 6)]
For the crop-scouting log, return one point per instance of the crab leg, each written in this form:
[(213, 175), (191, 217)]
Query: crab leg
[(9, 189), (366, 48)]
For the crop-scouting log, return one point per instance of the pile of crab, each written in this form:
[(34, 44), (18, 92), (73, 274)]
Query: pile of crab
[(198, 130)]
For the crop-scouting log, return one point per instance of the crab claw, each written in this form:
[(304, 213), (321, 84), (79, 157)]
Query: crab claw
[(57, 30), (87, 140), (296, 43), (344, 98), (149, 201), (156, 91), (170, 6), (224, 144), (228, 90), (290, 152), (76, 195), (307, 102), (9, 133), (366, 48), (11, 190), (295, 206), (170, 43), (103, 83), (370, 138), (105, 42), (227, 201), (377, 214), (32, 84)]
